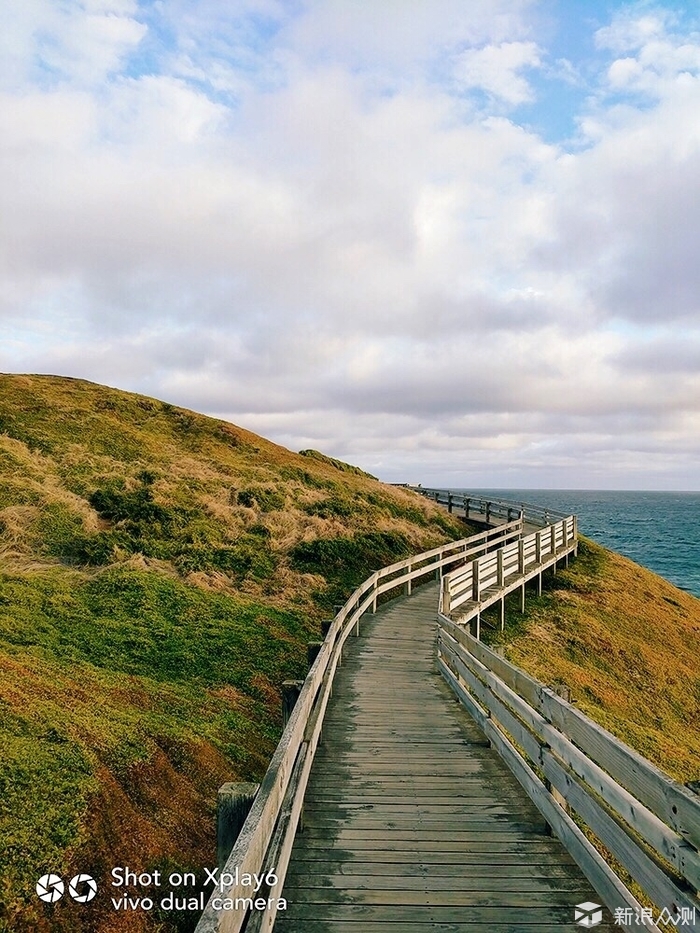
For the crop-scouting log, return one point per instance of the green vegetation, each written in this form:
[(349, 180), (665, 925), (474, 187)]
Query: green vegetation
[(347, 562), (160, 574)]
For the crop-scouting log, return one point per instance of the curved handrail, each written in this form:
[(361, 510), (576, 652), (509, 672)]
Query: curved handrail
[(265, 841), (473, 502), (582, 763)]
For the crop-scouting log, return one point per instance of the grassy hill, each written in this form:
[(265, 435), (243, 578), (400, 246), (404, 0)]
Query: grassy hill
[(160, 574)]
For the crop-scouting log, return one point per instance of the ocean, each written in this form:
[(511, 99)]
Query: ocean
[(660, 530)]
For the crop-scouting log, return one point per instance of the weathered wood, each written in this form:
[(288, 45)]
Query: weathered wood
[(421, 811), (232, 807), (491, 691), (290, 694), (312, 650), (596, 869), (675, 805), (450, 802), (652, 879)]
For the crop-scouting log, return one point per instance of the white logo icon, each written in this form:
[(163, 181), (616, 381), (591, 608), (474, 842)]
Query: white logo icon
[(82, 888), (50, 888), (588, 914)]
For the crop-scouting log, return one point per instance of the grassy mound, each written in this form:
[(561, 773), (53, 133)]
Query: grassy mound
[(160, 574)]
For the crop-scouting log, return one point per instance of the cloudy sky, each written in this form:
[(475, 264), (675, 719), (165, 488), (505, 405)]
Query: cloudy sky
[(453, 241)]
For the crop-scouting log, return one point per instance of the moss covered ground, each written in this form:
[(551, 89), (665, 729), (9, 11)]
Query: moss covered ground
[(160, 575)]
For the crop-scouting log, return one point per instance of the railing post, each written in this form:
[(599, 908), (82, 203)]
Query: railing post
[(475, 581), (466, 508), (409, 581), (233, 805), (312, 650), (538, 547), (488, 512), (449, 502), (521, 556), (446, 598), (499, 567), (290, 694)]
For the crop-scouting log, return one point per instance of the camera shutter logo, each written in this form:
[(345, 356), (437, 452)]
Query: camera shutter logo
[(588, 914), (82, 888), (50, 888)]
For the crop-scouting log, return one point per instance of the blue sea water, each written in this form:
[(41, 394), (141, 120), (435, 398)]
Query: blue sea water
[(660, 530)]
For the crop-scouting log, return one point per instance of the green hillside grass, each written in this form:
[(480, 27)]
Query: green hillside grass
[(160, 575)]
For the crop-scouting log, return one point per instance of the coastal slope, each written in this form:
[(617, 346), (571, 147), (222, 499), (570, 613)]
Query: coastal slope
[(160, 575)]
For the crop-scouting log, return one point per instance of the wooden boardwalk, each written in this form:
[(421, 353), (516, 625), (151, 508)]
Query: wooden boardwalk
[(412, 823)]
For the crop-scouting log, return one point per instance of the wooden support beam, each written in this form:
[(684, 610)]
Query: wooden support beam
[(290, 694), (312, 650), (233, 804)]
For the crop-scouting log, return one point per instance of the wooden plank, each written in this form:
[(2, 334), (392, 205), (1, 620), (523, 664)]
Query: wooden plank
[(677, 806), (667, 843), (313, 871), (427, 897), (653, 880), (524, 917), (609, 887), (367, 926)]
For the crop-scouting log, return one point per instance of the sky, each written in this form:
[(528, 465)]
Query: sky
[(455, 243)]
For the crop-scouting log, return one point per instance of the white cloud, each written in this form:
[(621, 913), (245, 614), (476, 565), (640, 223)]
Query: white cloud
[(290, 216), (496, 69), (72, 41)]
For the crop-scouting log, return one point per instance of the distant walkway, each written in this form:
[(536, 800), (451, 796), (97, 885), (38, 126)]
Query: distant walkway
[(412, 823)]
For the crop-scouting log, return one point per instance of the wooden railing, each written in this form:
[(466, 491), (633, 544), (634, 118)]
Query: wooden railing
[(487, 509), (647, 822), (488, 579), (265, 841), (566, 763)]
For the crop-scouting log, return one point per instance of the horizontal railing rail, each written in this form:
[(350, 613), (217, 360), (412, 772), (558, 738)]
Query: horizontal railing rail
[(649, 823), (265, 841), (489, 578), (477, 506)]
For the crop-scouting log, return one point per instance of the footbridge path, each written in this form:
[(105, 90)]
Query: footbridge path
[(423, 783)]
